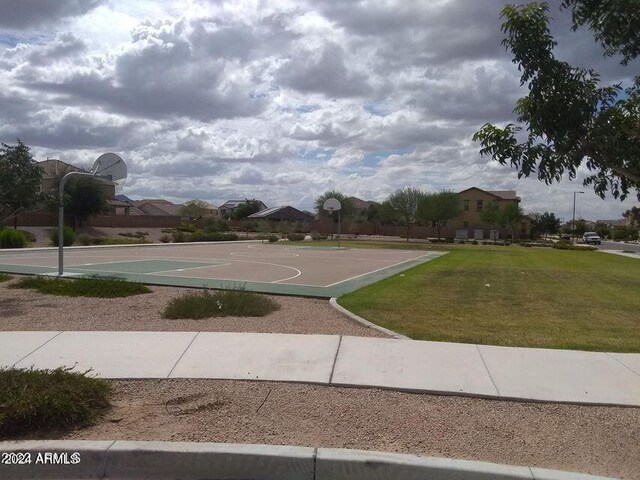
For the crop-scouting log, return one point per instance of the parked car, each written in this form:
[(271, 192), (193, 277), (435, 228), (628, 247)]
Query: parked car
[(591, 238)]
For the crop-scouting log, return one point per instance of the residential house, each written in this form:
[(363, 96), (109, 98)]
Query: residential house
[(226, 209), (155, 206), (285, 213), (474, 201), (53, 170)]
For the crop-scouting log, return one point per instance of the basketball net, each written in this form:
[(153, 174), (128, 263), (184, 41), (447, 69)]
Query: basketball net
[(119, 185)]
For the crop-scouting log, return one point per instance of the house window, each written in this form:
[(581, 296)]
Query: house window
[(466, 205), (478, 205)]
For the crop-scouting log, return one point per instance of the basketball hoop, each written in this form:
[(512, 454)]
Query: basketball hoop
[(107, 167), (331, 205)]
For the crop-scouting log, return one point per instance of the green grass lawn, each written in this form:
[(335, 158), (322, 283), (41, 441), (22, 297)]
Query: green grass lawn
[(513, 296)]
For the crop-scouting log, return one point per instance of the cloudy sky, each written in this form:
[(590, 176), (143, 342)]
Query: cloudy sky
[(278, 100)]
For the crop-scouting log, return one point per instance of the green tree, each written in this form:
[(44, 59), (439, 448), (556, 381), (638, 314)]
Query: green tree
[(20, 180), (84, 196), (580, 227), (404, 205), (633, 215), (380, 214), (544, 224), (439, 208), (246, 208), (511, 216), (616, 24), (346, 209), (570, 119), (194, 209), (492, 216), (603, 230)]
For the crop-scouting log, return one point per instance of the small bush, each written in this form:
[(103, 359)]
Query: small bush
[(82, 287), (186, 227), (167, 230), (118, 241), (203, 236), (474, 242), (568, 246), (30, 236), (272, 238), (178, 236), (85, 239), (295, 237), (216, 225), (41, 400), (10, 238), (140, 235), (222, 303), (4, 277), (318, 236), (165, 239), (68, 237), (250, 225)]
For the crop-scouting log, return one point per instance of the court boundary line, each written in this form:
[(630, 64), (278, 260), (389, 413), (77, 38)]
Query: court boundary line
[(377, 270), (335, 289)]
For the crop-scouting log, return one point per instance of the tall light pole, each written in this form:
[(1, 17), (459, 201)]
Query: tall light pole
[(573, 222)]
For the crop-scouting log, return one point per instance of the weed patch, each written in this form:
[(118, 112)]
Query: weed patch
[(221, 303), (82, 287), (43, 400)]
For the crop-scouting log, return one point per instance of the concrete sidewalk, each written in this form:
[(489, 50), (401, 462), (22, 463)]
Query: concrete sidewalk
[(417, 366)]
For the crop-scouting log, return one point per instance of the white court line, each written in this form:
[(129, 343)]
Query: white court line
[(378, 270), (287, 255), (120, 261), (213, 265), (289, 278)]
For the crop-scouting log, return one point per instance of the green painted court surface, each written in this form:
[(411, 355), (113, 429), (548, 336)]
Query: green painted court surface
[(283, 269)]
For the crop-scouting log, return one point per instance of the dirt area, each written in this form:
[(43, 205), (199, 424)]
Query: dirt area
[(27, 310), (595, 440), (42, 233)]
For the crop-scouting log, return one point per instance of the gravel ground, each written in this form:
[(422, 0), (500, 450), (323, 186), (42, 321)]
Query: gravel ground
[(27, 310), (595, 440)]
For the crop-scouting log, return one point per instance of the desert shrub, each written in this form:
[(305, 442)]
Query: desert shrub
[(167, 230), (165, 238), (30, 236), (68, 237), (178, 236), (35, 401), (204, 236), (272, 238), (250, 225), (318, 236), (221, 303), (216, 225), (295, 237), (82, 287), (4, 277), (186, 227), (119, 241), (10, 238), (85, 239)]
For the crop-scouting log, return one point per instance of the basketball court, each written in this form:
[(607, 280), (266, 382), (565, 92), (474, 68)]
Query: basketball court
[(297, 269)]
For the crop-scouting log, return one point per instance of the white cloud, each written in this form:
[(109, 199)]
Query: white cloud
[(276, 100)]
